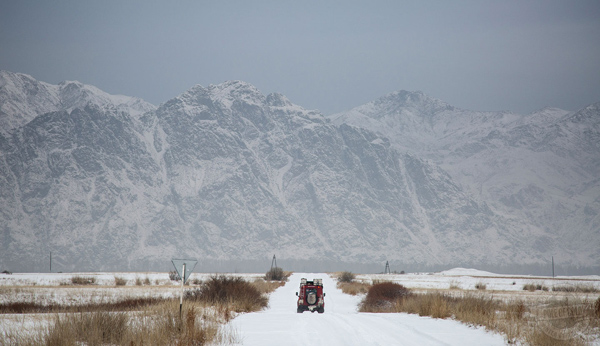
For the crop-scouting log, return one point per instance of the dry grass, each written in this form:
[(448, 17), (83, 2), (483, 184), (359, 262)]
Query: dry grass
[(454, 285), (277, 274), (266, 287), (567, 321), (382, 297), (346, 277), (145, 321), (83, 280), (232, 293), (159, 324), (532, 287), (124, 304), (119, 281), (580, 288), (354, 288)]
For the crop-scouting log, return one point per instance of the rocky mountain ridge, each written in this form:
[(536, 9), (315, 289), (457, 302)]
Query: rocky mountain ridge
[(224, 172), (541, 168), (24, 98)]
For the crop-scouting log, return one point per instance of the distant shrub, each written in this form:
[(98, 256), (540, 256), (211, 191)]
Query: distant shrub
[(275, 274), (576, 288), (481, 285), (174, 276), (380, 281), (454, 285), (534, 287), (346, 277), (6, 272), (147, 281), (83, 280), (138, 281), (119, 281)]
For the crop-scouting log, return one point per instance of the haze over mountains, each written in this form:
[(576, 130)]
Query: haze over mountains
[(542, 168), (226, 173)]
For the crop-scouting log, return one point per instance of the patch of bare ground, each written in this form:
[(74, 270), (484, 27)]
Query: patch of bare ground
[(549, 320)]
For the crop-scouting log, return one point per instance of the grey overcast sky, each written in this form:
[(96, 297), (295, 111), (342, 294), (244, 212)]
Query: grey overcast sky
[(326, 55)]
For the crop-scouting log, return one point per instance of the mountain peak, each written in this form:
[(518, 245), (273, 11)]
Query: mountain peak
[(22, 98), (397, 104), (234, 89), (278, 100), (225, 93)]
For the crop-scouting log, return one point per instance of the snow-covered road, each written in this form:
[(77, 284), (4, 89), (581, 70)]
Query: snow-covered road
[(341, 324)]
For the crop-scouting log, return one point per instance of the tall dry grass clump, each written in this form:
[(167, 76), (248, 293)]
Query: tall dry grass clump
[(276, 274), (383, 297), (83, 280), (580, 288), (96, 328), (354, 288), (120, 281), (346, 277), (234, 293), (158, 325), (475, 309), (266, 287), (434, 305), (532, 287)]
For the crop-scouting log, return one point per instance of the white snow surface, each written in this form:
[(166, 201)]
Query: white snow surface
[(280, 324), (341, 324)]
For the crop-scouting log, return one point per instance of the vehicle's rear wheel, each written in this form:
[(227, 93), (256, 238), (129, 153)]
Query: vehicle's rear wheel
[(300, 310), (321, 310)]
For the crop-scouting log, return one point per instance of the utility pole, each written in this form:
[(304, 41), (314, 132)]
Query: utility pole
[(181, 296), (273, 261), (50, 261), (553, 267), (387, 268)]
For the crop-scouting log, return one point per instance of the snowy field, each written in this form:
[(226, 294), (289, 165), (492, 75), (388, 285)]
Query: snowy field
[(468, 279), (279, 324)]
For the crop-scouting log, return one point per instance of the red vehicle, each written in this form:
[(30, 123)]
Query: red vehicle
[(311, 296)]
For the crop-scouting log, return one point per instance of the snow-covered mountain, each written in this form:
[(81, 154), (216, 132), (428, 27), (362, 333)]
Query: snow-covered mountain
[(224, 172), (22, 98), (542, 168)]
